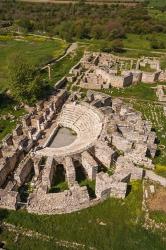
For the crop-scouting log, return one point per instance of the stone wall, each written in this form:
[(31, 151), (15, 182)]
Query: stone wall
[(103, 71), (23, 171), (149, 77), (114, 145), (90, 165), (160, 93)]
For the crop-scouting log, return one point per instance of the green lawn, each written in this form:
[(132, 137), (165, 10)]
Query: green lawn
[(28, 243), (136, 42), (36, 50), (136, 45), (141, 91), (131, 41), (158, 216), (114, 224)]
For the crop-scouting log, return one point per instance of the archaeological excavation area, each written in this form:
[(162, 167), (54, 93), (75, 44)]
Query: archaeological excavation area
[(66, 139), (103, 71)]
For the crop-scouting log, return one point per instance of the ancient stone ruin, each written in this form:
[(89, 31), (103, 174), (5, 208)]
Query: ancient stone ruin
[(108, 135), (161, 93), (103, 71)]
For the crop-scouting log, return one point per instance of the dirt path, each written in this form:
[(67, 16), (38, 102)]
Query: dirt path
[(69, 50)]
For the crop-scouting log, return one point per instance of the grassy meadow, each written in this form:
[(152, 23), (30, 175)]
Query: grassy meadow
[(157, 3), (157, 14), (37, 50), (114, 224), (131, 41), (134, 46)]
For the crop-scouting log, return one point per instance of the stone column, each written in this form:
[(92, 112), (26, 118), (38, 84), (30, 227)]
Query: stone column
[(8, 141), (137, 64), (18, 131), (45, 116), (131, 64), (90, 165), (49, 72), (30, 134), (37, 167), (38, 124), (39, 120), (26, 121)]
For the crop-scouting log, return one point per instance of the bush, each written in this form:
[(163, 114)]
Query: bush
[(117, 46), (155, 44), (26, 83)]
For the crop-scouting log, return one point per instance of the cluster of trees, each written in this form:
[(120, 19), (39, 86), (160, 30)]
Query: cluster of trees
[(156, 44), (77, 21), (26, 83)]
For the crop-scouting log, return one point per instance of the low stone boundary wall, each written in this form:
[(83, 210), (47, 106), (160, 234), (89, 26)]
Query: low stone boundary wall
[(154, 177), (60, 83), (55, 130)]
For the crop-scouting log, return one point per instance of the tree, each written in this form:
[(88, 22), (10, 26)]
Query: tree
[(117, 46), (66, 31), (97, 31), (27, 25), (115, 30), (105, 47), (156, 44), (26, 84)]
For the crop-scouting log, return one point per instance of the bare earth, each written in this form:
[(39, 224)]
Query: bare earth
[(158, 201)]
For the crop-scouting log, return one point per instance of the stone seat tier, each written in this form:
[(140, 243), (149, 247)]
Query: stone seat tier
[(85, 120)]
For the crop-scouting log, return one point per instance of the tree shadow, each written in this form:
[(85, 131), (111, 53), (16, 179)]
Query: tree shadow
[(5, 100)]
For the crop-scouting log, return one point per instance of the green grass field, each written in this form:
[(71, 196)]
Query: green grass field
[(37, 50), (114, 224), (156, 3), (134, 46), (157, 14), (145, 92)]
